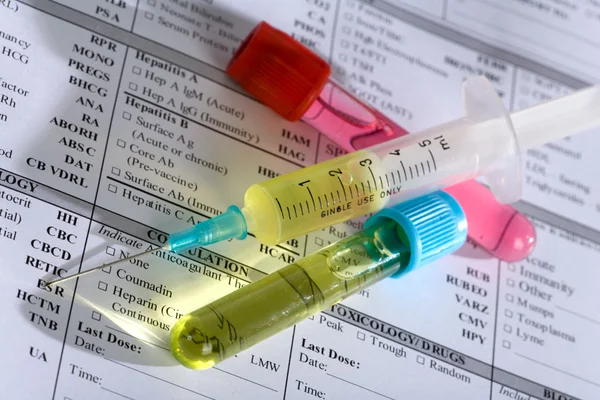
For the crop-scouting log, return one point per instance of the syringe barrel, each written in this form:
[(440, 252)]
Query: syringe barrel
[(366, 181), (312, 198)]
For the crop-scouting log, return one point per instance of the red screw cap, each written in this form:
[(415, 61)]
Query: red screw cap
[(279, 71)]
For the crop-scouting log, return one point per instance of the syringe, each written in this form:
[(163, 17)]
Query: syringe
[(394, 242), (486, 142)]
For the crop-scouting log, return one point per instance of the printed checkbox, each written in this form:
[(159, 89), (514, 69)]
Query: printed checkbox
[(345, 44), (312, 317), (361, 335), (510, 282), (149, 15), (121, 143), (152, 3), (136, 70), (110, 251), (106, 269), (421, 360), (102, 286), (510, 298), (512, 267), (348, 16), (116, 171), (506, 344), (343, 57), (112, 188), (318, 241), (132, 86), (96, 316), (508, 313), (346, 30), (507, 328), (126, 116)]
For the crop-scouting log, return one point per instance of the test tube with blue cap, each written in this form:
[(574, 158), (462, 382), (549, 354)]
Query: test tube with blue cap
[(394, 242)]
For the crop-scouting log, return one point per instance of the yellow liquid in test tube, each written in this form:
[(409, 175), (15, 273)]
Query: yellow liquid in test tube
[(318, 196), (249, 315), (394, 242)]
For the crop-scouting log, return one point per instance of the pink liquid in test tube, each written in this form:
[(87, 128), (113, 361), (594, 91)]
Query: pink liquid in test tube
[(292, 80)]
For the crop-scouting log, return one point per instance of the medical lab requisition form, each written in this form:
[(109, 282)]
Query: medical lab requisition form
[(119, 126)]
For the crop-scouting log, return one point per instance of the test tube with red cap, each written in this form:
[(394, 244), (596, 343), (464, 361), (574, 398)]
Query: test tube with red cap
[(295, 82)]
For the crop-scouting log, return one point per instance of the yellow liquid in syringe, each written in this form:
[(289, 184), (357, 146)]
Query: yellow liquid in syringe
[(321, 195)]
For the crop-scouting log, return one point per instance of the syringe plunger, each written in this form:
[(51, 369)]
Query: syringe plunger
[(556, 119), (489, 140)]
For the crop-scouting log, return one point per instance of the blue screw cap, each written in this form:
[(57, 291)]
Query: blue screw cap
[(435, 225)]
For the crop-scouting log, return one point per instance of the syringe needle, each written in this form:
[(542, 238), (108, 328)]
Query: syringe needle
[(165, 247), (228, 225)]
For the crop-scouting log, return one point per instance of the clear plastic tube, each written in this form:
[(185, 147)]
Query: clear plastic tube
[(347, 121), (245, 317), (395, 241)]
